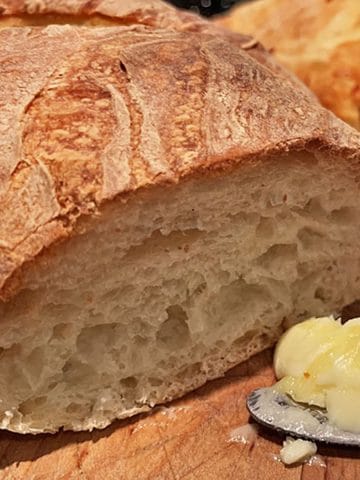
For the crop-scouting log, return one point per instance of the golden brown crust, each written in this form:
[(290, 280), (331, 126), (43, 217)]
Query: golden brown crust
[(316, 39), (88, 114)]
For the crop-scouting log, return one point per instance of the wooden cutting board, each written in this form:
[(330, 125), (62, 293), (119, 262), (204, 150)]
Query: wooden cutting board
[(187, 440)]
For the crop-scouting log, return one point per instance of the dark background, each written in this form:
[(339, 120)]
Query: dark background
[(206, 7)]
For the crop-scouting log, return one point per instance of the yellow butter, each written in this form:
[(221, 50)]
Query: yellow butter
[(296, 451), (318, 362)]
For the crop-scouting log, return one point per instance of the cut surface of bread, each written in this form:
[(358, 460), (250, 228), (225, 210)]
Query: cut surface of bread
[(171, 201), (318, 40), (164, 293)]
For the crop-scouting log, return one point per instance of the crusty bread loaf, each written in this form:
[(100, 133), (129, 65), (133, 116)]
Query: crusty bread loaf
[(318, 40), (170, 202)]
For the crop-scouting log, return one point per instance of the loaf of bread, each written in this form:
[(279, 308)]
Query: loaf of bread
[(170, 202), (318, 40)]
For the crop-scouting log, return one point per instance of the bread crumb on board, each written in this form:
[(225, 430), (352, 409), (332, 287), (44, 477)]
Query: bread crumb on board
[(246, 434)]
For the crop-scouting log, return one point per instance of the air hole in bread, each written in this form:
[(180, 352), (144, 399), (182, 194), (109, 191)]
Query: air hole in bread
[(139, 340), (279, 258), (90, 338), (76, 372), (30, 405), (191, 371), (266, 227), (34, 365), (155, 382), (238, 296), (314, 208), (320, 294), (61, 331), (310, 239), (241, 341), (74, 408), (344, 215), (129, 382), (174, 332)]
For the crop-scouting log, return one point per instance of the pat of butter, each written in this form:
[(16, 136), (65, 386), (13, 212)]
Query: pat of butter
[(318, 362), (296, 451)]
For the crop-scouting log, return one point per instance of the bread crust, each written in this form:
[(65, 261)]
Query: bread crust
[(93, 114), (318, 40)]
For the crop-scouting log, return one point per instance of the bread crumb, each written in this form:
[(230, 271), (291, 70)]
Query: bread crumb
[(317, 461), (246, 434)]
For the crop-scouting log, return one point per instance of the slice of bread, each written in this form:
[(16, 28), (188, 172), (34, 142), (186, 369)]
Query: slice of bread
[(170, 202)]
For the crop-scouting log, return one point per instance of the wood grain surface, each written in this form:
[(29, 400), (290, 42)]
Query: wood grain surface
[(188, 440)]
